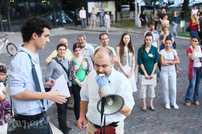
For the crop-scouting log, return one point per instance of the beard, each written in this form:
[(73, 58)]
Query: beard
[(105, 73)]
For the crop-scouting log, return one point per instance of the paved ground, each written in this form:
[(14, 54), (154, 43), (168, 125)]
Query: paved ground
[(184, 120)]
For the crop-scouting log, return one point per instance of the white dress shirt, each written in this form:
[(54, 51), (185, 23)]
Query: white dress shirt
[(89, 92), (82, 13), (88, 52)]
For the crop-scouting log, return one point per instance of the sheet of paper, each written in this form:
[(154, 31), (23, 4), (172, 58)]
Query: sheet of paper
[(148, 81), (62, 87)]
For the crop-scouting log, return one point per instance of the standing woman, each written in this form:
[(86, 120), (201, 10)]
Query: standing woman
[(165, 22), (147, 61), (107, 21), (93, 17), (79, 69), (126, 59), (155, 19), (194, 72), (168, 59), (143, 19), (194, 25), (175, 18)]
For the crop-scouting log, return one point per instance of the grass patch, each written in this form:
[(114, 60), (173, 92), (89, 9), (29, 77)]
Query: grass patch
[(184, 34), (127, 24)]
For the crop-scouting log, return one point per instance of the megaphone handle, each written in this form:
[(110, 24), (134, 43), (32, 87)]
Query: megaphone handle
[(102, 111)]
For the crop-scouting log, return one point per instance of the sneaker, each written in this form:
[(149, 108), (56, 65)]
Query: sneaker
[(167, 106), (175, 106)]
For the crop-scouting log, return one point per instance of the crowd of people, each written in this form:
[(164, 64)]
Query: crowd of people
[(82, 68), (104, 18)]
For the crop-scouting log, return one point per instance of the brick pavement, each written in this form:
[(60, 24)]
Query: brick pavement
[(184, 120)]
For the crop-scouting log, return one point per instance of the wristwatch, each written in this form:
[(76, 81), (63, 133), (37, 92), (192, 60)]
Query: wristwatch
[(170, 62)]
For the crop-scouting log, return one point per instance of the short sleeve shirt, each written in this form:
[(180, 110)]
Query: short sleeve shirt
[(111, 48), (101, 14), (168, 57), (119, 84), (147, 59)]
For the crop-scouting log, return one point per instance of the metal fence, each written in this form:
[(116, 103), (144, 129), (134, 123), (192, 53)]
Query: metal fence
[(14, 13)]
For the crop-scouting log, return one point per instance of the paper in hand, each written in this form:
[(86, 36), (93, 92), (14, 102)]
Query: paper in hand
[(61, 86)]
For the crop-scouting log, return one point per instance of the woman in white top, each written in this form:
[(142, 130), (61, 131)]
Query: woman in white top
[(126, 59), (194, 11), (194, 71), (107, 21), (168, 59), (93, 17)]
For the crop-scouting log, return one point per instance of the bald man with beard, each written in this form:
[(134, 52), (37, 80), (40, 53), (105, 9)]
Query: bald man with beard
[(67, 55)]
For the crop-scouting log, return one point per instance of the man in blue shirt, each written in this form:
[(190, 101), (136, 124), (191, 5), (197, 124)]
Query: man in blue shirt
[(26, 102), (102, 12)]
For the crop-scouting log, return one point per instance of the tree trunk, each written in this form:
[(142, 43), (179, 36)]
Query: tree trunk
[(185, 7)]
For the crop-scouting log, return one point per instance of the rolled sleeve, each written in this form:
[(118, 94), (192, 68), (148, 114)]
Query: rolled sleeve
[(50, 70), (19, 75), (139, 58), (156, 57)]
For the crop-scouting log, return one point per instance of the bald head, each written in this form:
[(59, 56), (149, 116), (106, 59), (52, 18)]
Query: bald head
[(104, 53), (103, 61), (64, 41)]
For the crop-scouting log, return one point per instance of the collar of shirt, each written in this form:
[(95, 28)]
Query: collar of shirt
[(35, 57), (86, 46), (60, 58), (102, 46)]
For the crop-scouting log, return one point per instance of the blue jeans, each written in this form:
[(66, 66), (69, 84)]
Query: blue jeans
[(195, 82), (168, 78), (102, 20), (174, 29), (83, 23)]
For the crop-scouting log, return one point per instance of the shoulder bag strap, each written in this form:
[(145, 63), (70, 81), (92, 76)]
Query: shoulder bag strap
[(56, 59)]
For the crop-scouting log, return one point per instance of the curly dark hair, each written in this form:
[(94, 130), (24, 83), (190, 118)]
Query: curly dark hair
[(34, 24)]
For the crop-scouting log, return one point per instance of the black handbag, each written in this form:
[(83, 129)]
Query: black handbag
[(40, 126), (188, 29)]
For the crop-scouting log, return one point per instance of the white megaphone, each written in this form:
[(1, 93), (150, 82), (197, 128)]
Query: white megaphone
[(113, 102)]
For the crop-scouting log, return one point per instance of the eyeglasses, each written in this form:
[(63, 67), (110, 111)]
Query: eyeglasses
[(104, 39), (61, 49)]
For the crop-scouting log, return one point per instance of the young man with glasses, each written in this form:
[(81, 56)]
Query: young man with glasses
[(54, 71)]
